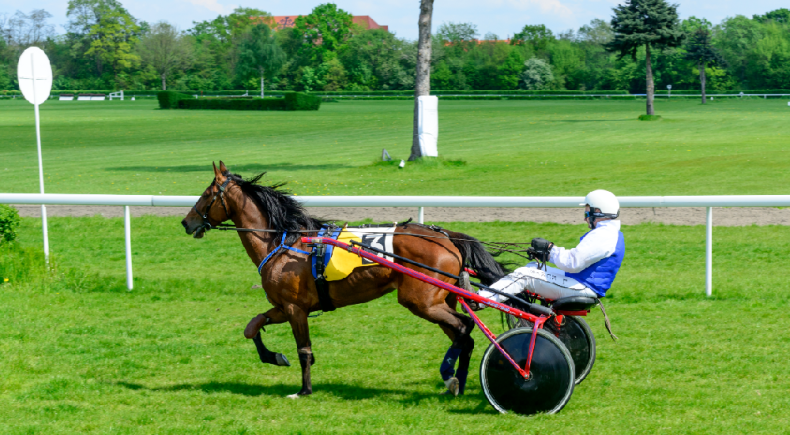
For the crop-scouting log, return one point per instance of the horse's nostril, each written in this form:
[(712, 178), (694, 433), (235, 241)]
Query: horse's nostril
[(184, 223)]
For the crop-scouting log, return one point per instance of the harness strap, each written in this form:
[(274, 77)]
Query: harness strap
[(282, 245), (319, 266)]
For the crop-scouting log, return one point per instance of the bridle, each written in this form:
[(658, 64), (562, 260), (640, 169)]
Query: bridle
[(206, 225)]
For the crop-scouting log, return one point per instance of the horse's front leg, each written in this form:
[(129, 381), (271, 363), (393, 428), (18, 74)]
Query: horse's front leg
[(298, 319), (253, 331)]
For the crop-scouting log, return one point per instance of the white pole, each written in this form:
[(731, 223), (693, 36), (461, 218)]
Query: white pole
[(41, 183), (421, 215), (128, 230), (709, 253)]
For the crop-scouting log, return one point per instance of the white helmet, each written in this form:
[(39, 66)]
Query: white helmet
[(603, 200)]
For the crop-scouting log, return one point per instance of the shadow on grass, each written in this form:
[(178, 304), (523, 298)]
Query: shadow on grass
[(253, 167), (586, 120), (342, 391)]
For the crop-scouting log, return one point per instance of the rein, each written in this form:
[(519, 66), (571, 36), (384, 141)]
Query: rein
[(500, 247)]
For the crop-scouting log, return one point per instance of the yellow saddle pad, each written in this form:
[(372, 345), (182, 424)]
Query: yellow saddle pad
[(342, 262)]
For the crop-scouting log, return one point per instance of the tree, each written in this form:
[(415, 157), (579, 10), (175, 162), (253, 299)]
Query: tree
[(23, 30), (422, 80), (457, 32), (219, 38), (736, 38), (598, 32), (112, 40), (536, 35), (165, 49), (104, 31), (376, 59), (260, 54), (510, 71), (648, 23), (537, 75), (700, 50), (778, 16), (326, 29)]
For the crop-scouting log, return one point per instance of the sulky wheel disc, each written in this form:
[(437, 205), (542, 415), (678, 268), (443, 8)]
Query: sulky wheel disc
[(551, 382), (577, 337)]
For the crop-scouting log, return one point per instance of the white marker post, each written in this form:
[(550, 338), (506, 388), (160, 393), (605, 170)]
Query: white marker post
[(35, 81)]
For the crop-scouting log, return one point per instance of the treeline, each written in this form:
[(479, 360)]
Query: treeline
[(105, 47)]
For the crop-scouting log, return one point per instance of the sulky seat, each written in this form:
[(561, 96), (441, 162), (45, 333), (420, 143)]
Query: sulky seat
[(574, 303)]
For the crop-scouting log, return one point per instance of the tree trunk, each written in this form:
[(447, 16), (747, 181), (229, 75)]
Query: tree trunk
[(422, 81), (650, 87), (261, 85), (164, 82), (702, 79)]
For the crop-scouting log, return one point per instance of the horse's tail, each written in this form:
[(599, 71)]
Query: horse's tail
[(475, 256)]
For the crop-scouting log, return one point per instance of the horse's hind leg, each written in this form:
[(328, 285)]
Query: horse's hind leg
[(455, 325), (460, 351), (467, 347), (465, 342), (253, 331)]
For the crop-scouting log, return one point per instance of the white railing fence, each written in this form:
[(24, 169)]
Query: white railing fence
[(419, 202)]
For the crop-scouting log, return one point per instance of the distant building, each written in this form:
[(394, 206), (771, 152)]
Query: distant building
[(365, 21)]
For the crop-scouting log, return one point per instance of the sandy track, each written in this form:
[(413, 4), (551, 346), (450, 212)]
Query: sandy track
[(629, 216)]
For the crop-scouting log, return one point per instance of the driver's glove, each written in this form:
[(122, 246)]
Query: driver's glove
[(541, 249)]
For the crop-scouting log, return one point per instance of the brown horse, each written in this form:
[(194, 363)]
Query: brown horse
[(287, 275)]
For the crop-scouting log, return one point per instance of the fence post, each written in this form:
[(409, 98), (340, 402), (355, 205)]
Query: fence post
[(421, 215), (128, 230), (709, 253)]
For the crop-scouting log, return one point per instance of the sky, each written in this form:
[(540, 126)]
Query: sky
[(500, 17)]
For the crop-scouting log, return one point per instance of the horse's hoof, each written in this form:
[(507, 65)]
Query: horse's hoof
[(453, 387), (292, 396), (282, 360)]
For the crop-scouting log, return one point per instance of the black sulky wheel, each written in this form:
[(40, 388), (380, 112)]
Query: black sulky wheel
[(551, 379), (577, 337)]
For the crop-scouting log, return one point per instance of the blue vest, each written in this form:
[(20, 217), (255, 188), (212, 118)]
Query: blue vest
[(600, 275)]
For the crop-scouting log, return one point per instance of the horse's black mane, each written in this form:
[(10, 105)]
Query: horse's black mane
[(283, 212)]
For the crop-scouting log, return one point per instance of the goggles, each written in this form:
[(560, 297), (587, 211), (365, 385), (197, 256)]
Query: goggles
[(589, 214)]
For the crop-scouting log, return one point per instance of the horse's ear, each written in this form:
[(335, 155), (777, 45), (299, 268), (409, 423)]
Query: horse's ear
[(217, 172), (222, 168)]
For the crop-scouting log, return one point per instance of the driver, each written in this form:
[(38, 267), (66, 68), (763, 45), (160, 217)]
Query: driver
[(586, 270)]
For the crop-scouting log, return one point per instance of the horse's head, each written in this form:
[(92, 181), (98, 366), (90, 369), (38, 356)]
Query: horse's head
[(211, 209)]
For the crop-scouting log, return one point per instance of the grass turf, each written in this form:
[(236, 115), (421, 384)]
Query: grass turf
[(80, 354), (489, 148)]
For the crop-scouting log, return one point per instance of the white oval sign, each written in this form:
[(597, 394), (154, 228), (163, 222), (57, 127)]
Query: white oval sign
[(35, 75)]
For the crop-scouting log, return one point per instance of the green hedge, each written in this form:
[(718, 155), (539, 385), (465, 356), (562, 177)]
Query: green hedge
[(491, 97), (292, 101), (711, 91), (300, 101), (465, 92), (170, 99), (233, 104), (404, 93)]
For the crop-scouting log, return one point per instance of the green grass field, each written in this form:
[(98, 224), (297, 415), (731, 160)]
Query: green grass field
[(80, 354), (510, 148)]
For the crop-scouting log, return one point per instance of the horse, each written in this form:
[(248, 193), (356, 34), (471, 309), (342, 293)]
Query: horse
[(286, 274)]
